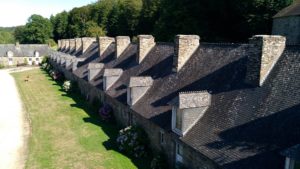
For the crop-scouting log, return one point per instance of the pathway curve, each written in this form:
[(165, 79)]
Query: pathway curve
[(13, 126)]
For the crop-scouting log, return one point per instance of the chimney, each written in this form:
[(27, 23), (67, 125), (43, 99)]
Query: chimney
[(138, 86), (72, 45), (78, 44), (87, 42), (68, 61), (62, 60), (110, 77), (67, 42), (17, 45), (187, 109), (75, 62), (145, 44), (63, 44), (122, 42), (58, 44), (266, 51), (104, 43), (185, 46), (94, 69)]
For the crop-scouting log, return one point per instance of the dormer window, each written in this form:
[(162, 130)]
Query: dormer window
[(138, 87), (187, 109)]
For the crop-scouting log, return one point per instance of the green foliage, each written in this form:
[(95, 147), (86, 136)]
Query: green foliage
[(6, 35), (213, 20), (25, 61), (37, 30), (2, 66)]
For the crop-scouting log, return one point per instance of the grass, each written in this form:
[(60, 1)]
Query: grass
[(65, 131)]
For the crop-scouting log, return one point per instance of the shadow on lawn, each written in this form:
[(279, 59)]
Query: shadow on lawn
[(111, 129)]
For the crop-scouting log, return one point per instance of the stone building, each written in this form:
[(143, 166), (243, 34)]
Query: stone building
[(287, 23), (206, 105), (14, 54)]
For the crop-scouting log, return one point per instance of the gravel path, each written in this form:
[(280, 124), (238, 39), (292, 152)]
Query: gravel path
[(13, 127)]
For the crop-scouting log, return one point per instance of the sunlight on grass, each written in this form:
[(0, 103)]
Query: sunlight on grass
[(66, 133)]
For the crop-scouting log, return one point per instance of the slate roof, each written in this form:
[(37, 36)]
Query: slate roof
[(292, 10), (24, 50), (244, 128), (292, 152)]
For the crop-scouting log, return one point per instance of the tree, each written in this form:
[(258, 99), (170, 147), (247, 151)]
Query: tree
[(36, 30), (60, 25)]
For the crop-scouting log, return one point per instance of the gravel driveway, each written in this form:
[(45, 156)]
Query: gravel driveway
[(13, 127)]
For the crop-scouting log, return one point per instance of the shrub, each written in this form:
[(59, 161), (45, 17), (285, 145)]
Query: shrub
[(67, 86), (159, 162), (106, 113), (56, 75), (2, 66), (133, 140)]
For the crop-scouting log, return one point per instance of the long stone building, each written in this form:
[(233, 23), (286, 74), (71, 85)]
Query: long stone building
[(14, 54), (206, 105), (287, 23)]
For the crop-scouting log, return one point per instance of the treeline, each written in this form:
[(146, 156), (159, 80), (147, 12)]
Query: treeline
[(6, 35), (213, 20)]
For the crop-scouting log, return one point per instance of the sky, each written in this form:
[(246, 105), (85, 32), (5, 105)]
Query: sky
[(16, 12)]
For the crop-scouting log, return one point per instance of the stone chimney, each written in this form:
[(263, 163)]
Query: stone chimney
[(185, 46), (145, 44), (68, 61), (104, 43), (63, 44), (72, 44), (187, 109), (87, 42), (122, 42), (18, 45), (94, 69), (110, 77), (67, 41), (138, 86), (264, 55), (78, 44), (59, 44), (75, 62)]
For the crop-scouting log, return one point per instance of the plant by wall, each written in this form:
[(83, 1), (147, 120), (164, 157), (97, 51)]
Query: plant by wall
[(133, 140), (67, 86), (106, 113), (159, 162)]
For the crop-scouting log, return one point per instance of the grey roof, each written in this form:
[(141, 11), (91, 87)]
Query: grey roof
[(140, 81), (292, 10), (293, 152), (24, 50), (112, 72), (244, 127)]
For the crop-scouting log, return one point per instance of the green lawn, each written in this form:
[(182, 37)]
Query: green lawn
[(66, 131)]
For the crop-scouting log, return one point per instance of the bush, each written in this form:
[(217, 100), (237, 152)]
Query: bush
[(106, 113), (133, 140), (159, 162), (2, 66), (67, 86), (56, 75)]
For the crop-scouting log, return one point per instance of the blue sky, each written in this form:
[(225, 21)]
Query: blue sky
[(16, 12)]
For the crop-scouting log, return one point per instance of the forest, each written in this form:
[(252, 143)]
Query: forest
[(213, 20)]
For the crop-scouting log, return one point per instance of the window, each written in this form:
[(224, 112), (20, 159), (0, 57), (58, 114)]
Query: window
[(179, 153), (10, 59), (30, 59), (178, 119), (37, 59), (162, 137)]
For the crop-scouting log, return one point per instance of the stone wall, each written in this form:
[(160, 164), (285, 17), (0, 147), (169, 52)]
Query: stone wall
[(20, 60)]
